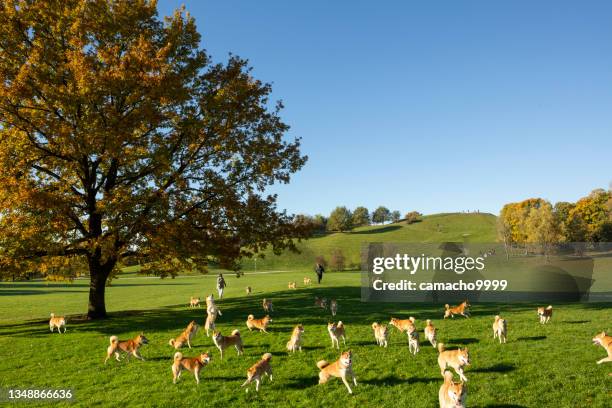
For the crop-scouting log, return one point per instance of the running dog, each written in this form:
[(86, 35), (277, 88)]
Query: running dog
[(430, 333), (129, 347), (267, 306), (342, 368), (292, 285), (193, 365), (452, 394), (381, 333), (463, 309), (500, 329), (307, 281), (260, 324), (185, 336), (604, 341), (320, 302), (545, 314), (258, 370), (57, 321), (194, 302), (405, 325), (222, 342), (333, 307), (456, 359), (413, 342), (336, 330)]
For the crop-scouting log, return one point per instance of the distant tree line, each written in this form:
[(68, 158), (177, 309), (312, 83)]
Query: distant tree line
[(536, 222), (341, 219)]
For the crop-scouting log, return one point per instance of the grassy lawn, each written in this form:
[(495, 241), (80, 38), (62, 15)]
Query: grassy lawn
[(551, 365)]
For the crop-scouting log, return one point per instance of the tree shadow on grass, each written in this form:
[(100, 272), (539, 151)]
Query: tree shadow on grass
[(377, 230), (464, 341), (497, 368), (576, 321), (302, 383), (388, 380), (415, 380)]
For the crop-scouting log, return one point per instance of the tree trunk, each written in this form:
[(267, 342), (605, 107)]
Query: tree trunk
[(98, 273)]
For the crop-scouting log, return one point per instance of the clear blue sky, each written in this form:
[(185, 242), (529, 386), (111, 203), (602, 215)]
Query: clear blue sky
[(430, 106)]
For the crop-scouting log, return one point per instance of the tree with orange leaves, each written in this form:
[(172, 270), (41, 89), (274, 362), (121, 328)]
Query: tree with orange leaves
[(120, 138)]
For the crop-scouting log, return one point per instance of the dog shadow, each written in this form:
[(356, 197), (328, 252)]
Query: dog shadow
[(302, 383), (388, 380), (576, 321), (414, 380), (464, 341), (497, 368), (504, 406), (532, 338)]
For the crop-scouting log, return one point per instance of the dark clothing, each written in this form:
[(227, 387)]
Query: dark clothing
[(319, 271)]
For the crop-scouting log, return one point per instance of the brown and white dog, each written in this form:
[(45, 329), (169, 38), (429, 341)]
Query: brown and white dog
[(405, 325), (260, 324), (381, 333), (185, 336), (430, 333), (320, 302), (463, 309), (545, 314), (258, 370), (57, 321), (211, 307), (292, 285), (336, 330), (604, 341), (194, 302), (295, 343), (413, 342), (500, 329), (193, 365), (249, 290), (342, 368), (209, 324), (307, 281), (452, 394), (222, 342), (267, 306), (129, 347), (333, 307), (456, 359)]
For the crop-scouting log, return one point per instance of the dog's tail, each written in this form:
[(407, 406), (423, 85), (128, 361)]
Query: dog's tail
[(447, 306), (236, 333), (113, 340), (267, 356), (171, 342), (428, 322), (374, 325), (412, 319), (441, 347), (251, 317), (549, 307), (178, 356), (322, 364), (340, 324), (52, 315)]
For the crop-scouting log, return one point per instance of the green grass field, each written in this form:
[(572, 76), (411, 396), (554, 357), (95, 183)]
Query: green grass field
[(540, 366)]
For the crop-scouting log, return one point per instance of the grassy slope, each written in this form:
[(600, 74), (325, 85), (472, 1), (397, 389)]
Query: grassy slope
[(456, 227), (552, 365)]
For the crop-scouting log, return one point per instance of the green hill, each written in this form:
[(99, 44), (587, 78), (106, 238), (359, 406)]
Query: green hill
[(452, 227)]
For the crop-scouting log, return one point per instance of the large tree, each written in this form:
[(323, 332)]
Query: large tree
[(340, 219), (119, 137)]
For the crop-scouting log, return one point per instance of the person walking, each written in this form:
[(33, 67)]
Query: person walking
[(220, 285), (319, 271)]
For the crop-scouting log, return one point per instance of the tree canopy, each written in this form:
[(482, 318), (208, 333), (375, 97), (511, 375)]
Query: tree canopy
[(119, 137)]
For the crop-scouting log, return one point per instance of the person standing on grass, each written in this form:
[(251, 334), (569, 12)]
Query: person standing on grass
[(220, 285), (319, 271)]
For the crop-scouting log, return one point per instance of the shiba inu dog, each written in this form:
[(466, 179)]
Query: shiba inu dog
[(333, 307), (292, 285), (194, 302), (295, 343), (342, 368), (222, 342), (193, 365), (452, 394), (57, 321), (267, 306), (320, 302), (405, 325), (430, 333), (129, 347), (211, 307), (463, 309), (209, 324), (545, 314), (260, 324), (249, 290), (258, 370), (185, 336), (604, 341), (307, 281), (336, 330), (413, 342), (456, 359), (500, 329), (381, 333)]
